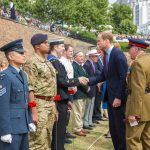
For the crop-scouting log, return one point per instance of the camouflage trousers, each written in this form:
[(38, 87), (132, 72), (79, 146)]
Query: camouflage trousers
[(41, 139)]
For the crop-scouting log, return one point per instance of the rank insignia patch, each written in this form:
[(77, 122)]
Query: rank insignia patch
[(2, 91)]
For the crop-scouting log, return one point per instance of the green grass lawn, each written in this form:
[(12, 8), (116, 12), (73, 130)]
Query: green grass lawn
[(95, 140)]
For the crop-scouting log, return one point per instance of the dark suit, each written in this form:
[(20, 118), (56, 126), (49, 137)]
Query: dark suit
[(91, 72), (90, 68), (14, 113), (97, 102), (63, 83), (82, 89), (115, 78)]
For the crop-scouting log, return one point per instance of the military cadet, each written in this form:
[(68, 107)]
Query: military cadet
[(15, 115), (138, 102), (42, 87), (62, 100)]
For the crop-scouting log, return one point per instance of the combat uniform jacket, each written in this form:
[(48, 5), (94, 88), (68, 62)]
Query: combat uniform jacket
[(138, 103), (42, 76)]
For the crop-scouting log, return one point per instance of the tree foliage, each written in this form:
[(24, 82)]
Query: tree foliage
[(92, 14), (127, 27), (121, 18), (87, 13)]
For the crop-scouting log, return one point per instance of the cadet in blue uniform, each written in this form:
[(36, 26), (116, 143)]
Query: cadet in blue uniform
[(15, 117)]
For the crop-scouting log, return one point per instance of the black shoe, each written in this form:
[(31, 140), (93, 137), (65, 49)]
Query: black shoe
[(67, 141), (69, 135), (96, 122), (92, 125), (87, 127)]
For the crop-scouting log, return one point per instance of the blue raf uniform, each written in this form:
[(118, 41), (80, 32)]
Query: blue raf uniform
[(15, 117)]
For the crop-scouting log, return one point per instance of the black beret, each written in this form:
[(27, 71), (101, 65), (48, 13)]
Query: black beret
[(38, 38), (137, 42), (56, 41), (13, 46)]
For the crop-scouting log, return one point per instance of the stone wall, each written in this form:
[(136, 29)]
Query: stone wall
[(11, 30)]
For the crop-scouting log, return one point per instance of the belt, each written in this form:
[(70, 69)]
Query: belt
[(46, 98)]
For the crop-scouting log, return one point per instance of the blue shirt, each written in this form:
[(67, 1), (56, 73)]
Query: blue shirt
[(17, 69), (109, 51)]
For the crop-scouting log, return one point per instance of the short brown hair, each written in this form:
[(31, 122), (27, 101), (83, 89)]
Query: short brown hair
[(106, 35), (67, 46)]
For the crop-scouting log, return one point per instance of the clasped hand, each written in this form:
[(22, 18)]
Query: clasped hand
[(83, 80)]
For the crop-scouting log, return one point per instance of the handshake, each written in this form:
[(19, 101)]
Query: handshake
[(83, 80)]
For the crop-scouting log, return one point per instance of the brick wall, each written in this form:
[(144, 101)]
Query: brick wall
[(11, 30)]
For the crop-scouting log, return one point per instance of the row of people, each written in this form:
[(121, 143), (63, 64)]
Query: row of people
[(48, 81), (46, 109)]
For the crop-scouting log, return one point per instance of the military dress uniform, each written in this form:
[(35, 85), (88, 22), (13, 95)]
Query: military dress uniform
[(42, 81), (138, 102), (59, 129), (15, 116)]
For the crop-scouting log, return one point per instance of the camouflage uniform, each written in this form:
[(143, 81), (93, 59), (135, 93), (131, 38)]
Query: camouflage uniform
[(42, 80)]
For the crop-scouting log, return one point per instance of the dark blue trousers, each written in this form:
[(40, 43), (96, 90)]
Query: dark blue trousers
[(19, 142), (97, 106), (117, 126), (59, 128)]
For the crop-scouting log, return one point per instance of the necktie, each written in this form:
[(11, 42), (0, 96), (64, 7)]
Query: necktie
[(106, 59), (21, 74)]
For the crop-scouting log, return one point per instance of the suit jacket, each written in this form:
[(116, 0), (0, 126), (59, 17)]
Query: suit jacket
[(82, 89), (91, 72), (62, 79), (14, 112), (115, 76), (138, 102), (99, 65)]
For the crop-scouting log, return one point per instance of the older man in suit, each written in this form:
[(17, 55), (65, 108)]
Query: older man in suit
[(15, 116), (90, 67), (80, 96), (97, 114), (114, 72)]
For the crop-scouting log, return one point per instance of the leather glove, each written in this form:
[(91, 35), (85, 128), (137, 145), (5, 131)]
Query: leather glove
[(32, 127), (6, 138)]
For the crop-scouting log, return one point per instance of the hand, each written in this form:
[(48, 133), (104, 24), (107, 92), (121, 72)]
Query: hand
[(32, 127), (99, 86), (6, 138), (116, 102), (75, 89), (34, 115), (70, 105), (131, 119), (83, 80), (88, 90)]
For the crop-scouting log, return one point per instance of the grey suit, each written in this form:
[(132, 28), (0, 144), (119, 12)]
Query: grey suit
[(14, 113)]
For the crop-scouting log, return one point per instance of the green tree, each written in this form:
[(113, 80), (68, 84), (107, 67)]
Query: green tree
[(127, 27), (91, 13), (87, 13), (23, 6), (54, 10), (121, 16)]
